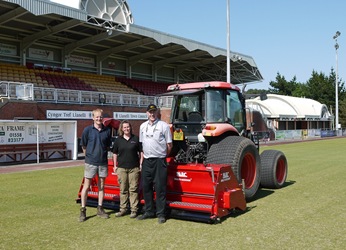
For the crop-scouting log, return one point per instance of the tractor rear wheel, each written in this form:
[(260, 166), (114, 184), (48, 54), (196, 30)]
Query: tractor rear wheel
[(241, 153), (273, 169)]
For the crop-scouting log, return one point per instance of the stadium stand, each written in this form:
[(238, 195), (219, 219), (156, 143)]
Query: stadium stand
[(45, 77), (105, 83), (65, 82), (145, 87), (58, 85)]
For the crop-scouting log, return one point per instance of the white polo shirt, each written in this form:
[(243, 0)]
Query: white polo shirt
[(154, 138)]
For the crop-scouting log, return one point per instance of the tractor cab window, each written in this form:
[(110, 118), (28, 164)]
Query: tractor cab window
[(215, 106), (235, 111), (190, 108)]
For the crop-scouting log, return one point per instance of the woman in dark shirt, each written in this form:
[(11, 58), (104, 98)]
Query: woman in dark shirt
[(127, 158)]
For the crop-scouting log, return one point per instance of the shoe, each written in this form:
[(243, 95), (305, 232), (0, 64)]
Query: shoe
[(82, 216), (161, 220), (145, 216), (120, 213), (133, 215), (101, 213)]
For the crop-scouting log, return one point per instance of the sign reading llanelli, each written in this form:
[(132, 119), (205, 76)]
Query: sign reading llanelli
[(68, 114), (129, 116)]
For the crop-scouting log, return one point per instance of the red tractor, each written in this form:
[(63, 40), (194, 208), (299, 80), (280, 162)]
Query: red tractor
[(215, 165)]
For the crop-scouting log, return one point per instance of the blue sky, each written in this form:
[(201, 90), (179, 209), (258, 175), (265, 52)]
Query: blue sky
[(292, 37)]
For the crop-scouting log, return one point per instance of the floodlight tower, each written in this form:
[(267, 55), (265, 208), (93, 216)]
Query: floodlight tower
[(228, 45), (335, 37)]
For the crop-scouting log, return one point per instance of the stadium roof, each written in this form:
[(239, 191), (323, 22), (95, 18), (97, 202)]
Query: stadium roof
[(105, 34), (288, 107)]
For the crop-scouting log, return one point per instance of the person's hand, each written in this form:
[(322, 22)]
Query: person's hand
[(115, 169)]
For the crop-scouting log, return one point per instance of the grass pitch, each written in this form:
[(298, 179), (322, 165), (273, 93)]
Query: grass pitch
[(38, 211)]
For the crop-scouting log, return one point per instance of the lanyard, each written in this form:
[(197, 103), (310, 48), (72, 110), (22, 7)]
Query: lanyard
[(146, 131)]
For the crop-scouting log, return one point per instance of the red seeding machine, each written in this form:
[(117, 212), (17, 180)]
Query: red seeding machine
[(215, 165)]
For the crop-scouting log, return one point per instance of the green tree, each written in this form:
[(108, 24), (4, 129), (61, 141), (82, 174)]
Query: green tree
[(321, 88), (300, 90), (283, 87)]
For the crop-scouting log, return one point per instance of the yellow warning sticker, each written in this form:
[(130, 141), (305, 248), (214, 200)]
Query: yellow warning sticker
[(178, 135)]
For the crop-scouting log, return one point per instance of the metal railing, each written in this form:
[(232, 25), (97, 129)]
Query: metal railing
[(27, 91), (16, 90)]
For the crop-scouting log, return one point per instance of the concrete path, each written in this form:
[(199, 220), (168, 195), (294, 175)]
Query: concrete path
[(40, 166)]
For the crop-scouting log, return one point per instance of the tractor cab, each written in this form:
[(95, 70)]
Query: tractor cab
[(202, 113), (208, 106)]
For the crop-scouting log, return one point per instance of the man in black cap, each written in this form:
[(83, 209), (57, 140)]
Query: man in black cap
[(156, 139)]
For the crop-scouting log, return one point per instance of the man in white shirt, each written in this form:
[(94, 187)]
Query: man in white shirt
[(156, 139)]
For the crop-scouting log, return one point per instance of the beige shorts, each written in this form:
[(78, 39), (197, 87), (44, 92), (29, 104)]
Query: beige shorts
[(91, 170)]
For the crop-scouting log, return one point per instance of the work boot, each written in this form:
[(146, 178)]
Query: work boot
[(82, 216), (161, 220), (120, 213), (133, 215), (101, 213), (145, 216)]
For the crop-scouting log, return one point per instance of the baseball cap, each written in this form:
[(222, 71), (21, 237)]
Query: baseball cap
[(151, 107)]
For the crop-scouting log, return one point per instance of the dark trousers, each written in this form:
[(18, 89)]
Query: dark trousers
[(154, 175)]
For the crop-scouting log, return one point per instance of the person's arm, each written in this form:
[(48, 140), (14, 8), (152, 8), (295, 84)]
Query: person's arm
[(115, 162), (115, 156), (169, 148), (168, 136), (141, 157), (84, 140), (109, 140)]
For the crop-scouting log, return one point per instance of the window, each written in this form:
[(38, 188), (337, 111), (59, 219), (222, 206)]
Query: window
[(235, 111), (215, 107), (190, 108)]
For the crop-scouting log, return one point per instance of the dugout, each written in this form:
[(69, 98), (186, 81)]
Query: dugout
[(37, 140)]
